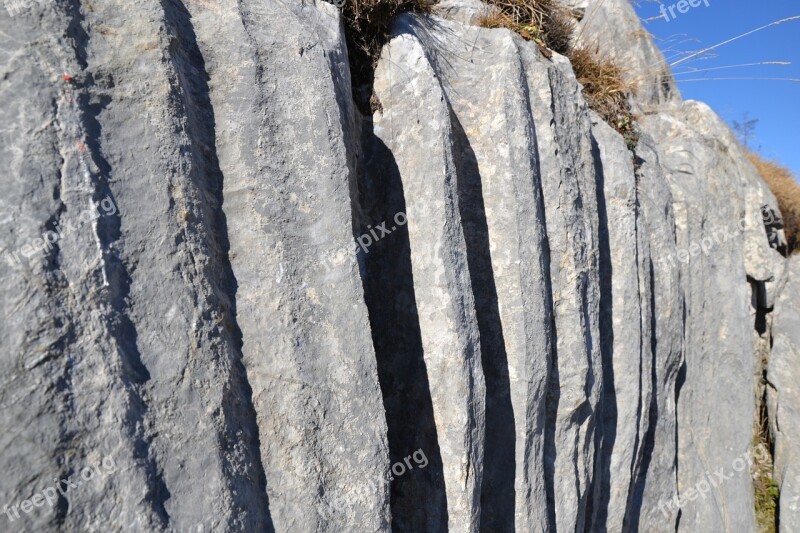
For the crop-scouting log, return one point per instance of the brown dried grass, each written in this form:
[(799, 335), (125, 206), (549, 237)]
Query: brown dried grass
[(544, 21), (605, 91), (549, 24), (366, 28), (787, 191)]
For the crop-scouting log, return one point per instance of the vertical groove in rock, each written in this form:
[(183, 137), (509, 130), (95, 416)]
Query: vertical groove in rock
[(500, 202), (237, 433), (497, 489), (419, 502), (560, 338), (649, 393), (568, 184), (783, 397), (95, 358), (628, 390), (606, 434), (500, 462), (708, 191), (112, 280), (305, 332), (417, 113)]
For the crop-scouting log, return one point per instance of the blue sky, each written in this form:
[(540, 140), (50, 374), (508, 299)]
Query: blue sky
[(776, 104)]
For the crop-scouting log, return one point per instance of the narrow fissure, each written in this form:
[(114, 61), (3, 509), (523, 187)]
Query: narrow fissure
[(418, 502)]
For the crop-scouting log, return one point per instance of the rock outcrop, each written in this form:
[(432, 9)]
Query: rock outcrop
[(783, 399), (256, 309)]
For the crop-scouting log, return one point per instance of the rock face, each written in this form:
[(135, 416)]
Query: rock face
[(783, 398), (250, 307), (207, 351), (612, 27), (719, 357)]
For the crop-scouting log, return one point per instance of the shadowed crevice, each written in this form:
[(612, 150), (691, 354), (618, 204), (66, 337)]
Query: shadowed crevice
[(91, 102), (418, 499), (637, 493), (497, 487), (551, 420), (606, 431)]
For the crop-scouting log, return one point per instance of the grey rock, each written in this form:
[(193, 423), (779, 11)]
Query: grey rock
[(260, 300), (568, 183), (127, 351), (464, 11), (783, 399), (709, 201), (306, 340), (655, 483), (415, 127), (626, 322), (613, 29), (128, 341), (502, 211)]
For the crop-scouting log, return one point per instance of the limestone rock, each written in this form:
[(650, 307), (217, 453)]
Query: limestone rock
[(612, 29), (215, 374), (710, 207), (256, 309), (783, 399), (414, 115)]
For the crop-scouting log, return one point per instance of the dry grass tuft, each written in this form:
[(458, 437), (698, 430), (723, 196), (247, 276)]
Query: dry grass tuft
[(498, 19), (765, 489), (787, 191), (543, 21), (605, 91), (558, 28), (549, 24), (366, 29)]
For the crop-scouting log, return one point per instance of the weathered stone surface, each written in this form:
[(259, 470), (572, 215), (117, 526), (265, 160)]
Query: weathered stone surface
[(502, 210), (286, 150), (568, 182), (655, 482), (464, 11), (128, 352), (415, 127), (260, 299), (625, 334), (613, 28), (783, 398), (132, 348), (709, 200)]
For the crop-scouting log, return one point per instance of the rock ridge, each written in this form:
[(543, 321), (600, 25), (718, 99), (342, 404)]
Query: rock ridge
[(276, 300)]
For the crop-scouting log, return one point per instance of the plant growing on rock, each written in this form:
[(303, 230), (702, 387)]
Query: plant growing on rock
[(605, 91), (550, 25), (545, 22), (366, 29), (787, 192)]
